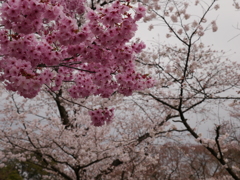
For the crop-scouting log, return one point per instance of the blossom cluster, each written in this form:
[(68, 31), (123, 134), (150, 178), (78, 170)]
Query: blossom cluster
[(21, 78), (26, 16), (101, 116)]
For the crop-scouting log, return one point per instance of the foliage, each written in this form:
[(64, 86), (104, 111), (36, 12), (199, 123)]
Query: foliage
[(9, 173), (15, 169)]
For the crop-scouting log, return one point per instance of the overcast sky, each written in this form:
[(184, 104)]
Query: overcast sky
[(227, 20)]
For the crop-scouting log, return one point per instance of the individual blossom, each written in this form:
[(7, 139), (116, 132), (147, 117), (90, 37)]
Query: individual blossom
[(214, 26), (150, 27), (140, 12), (174, 18), (180, 31), (216, 7), (186, 16)]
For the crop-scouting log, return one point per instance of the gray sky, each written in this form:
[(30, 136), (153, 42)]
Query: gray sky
[(227, 20)]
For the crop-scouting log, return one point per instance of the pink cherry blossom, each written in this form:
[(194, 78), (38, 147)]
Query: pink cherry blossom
[(58, 43)]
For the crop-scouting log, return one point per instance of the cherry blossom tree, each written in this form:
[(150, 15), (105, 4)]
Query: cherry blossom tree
[(48, 43), (77, 58), (190, 76)]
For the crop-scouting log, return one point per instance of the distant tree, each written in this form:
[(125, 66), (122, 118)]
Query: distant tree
[(191, 77)]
